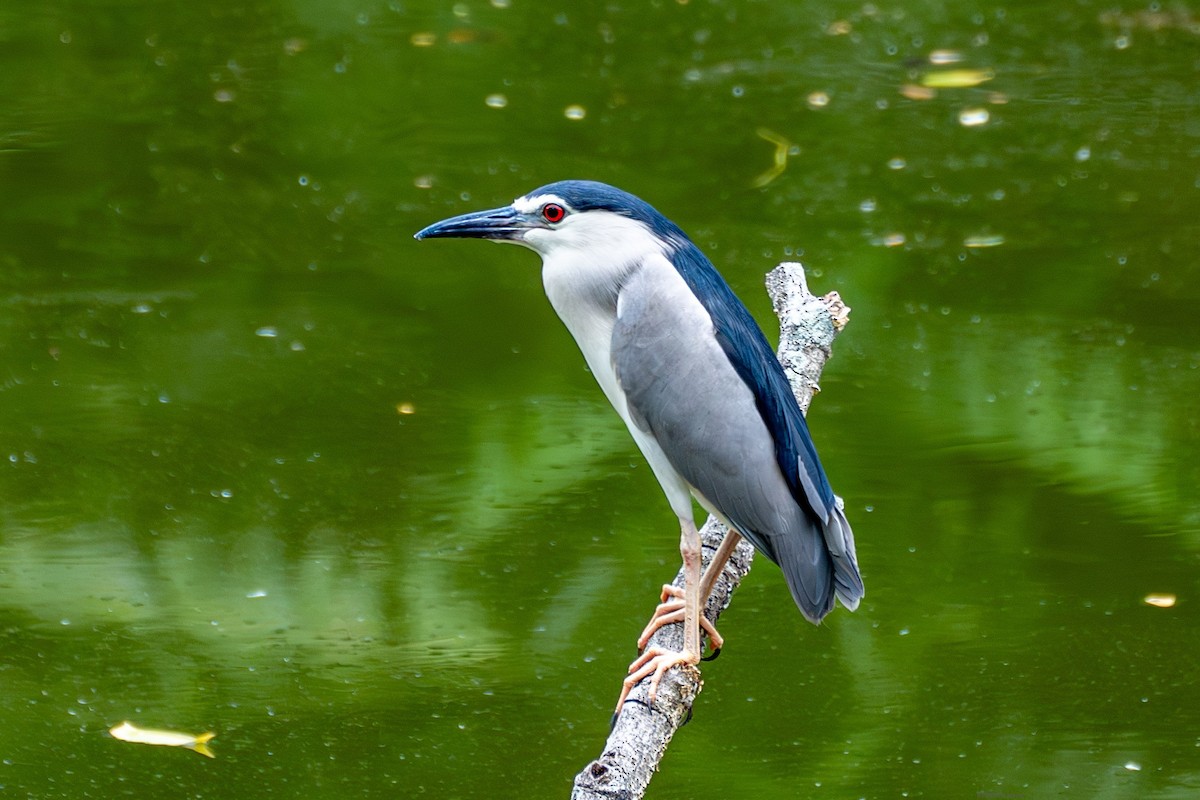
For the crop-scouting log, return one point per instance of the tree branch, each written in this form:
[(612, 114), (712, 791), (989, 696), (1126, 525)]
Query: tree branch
[(638, 740)]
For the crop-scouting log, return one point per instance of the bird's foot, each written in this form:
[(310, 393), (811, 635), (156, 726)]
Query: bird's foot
[(670, 611), (653, 664)]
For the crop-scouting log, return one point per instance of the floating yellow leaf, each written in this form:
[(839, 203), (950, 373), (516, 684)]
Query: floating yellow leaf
[(956, 78), (783, 148)]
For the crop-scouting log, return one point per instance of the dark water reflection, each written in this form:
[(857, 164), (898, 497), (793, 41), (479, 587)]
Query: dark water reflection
[(273, 469)]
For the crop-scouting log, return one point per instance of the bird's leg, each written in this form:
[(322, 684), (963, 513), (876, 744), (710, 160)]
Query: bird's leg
[(655, 661), (670, 610), (717, 565)]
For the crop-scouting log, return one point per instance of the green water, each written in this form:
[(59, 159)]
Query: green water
[(218, 514)]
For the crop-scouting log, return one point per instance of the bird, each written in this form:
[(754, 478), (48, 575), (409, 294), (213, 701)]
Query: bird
[(690, 372)]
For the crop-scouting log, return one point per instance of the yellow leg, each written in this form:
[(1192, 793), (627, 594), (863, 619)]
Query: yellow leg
[(655, 661), (670, 610)]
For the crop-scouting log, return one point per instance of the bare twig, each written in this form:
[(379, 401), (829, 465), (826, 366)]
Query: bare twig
[(638, 740)]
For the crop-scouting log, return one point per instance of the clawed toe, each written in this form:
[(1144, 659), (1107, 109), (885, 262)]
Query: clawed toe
[(652, 664), (671, 611)]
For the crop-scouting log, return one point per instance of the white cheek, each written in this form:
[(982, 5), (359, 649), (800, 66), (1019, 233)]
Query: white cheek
[(612, 238), (537, 238)]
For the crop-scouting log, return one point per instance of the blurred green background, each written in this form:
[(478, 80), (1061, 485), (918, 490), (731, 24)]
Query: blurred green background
[(271, 468)]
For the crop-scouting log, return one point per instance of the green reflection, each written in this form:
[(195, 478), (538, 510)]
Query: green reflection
[(217, 516)]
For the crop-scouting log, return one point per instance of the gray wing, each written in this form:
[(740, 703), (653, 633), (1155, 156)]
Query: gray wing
[(681, 388)]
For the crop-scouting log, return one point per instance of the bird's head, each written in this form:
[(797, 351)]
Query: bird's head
[(568, 217)]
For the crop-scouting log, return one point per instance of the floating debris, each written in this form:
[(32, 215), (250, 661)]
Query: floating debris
[(1153, 19), (942, 57), (817, 99), (128, 732), (463, 36), (983, 240), (495, 101), (973, 117), (423, 39), (956, 78), (783, 149), (914, 92), (890, 240), (405, 408), (575, 112), (1160, 600)]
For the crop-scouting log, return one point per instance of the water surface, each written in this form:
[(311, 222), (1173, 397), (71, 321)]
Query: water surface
[(273, 469)]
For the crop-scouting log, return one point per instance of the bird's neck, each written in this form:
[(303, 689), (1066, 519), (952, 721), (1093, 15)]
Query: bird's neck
[(585, 263)]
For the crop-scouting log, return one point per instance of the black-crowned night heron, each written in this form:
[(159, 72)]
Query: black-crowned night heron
[(655, 322)]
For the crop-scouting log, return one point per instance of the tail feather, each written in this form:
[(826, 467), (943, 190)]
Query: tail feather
[(819, 564), (805, 564), (840, 541)]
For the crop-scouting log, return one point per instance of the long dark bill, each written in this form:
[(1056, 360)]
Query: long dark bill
[(498, 223)]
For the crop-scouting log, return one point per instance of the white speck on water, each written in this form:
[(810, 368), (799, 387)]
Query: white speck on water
[(973, 117)]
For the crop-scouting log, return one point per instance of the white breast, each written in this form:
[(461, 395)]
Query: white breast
[(587, 300), (585, 261)]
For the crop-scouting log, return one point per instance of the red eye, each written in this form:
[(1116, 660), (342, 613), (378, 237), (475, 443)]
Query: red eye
[(553, 212)]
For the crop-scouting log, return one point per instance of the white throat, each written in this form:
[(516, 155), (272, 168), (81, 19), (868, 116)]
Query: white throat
[(586, 260)]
